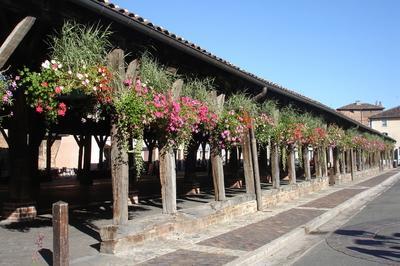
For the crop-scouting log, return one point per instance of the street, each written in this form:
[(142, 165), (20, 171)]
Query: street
[(371, 237)]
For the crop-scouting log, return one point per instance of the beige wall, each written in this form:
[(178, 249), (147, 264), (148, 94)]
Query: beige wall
[(392, 128)]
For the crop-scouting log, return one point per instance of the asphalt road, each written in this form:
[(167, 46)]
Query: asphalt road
[(372, 237)]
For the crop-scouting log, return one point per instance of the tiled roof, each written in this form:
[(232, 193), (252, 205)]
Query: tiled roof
[(271, 85), (361, 106), (390, 113), (180, 39)]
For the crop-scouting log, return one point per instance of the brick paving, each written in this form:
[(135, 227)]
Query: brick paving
[(334, 199), (189, 257), (256, 235), (376, 180)]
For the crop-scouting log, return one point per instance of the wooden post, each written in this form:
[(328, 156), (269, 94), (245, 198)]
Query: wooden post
[(342, 162), (168, 166), (324, 162), (168, 180), (218, 175), (217, 168), (256, 168), (352, 164), (14, 39), (317, 162), (49, 143), (276, 181), (247, 163), (336, 155), (306, 162), (119, 157), (292, 165), (60, 234), (86, 178), (348, 161)]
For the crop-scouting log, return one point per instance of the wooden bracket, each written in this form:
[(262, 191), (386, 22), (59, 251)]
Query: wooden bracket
[(14, 39)]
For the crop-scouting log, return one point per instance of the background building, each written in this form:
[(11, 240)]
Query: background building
[(361, 112), (388, 122)]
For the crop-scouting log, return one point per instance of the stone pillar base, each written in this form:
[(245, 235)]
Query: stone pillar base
[(19, 211)]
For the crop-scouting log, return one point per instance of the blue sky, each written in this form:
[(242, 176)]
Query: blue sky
[(335, 52)]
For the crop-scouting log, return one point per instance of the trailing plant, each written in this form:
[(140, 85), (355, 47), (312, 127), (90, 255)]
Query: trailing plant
[(76, 68), (8, 85), (265, 123)]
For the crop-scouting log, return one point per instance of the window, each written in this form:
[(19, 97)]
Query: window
[(384, 123)]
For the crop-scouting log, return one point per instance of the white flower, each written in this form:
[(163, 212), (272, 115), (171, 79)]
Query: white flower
[(95, 88), (46, 64), (59, 65), (53, 61), (69, 72), (83, 120), (79, 76)]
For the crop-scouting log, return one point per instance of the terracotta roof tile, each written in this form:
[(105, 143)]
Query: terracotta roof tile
[(361, 106), (181, 40), (390, 113)]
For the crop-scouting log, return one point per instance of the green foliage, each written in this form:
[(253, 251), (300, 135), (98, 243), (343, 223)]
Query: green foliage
[(241, 102), (198, 89), (154, 75), (130, 109), (78, 46)]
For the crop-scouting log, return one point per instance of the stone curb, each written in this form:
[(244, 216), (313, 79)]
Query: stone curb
[(277, 244)]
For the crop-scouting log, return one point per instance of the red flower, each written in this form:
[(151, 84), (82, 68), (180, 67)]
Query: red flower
[(44, 84)]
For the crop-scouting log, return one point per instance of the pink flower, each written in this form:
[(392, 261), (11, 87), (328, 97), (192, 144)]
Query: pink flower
[(61, 112), (39, 109), (128, 82), (58, 89), (44, 84)]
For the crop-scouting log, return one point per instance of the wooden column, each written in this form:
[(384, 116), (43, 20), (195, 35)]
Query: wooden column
[(168, 180), (215, 156), (86, 177), (352, 163), (292, 165), (218, 175), (119, 156), (342, 162), (257, 182), (276, 181), (248, 164), (317, 162), (336, 164), (168, 167), (14, 39), (60, 234), (101, 142), (324, 162), (306, 162)]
